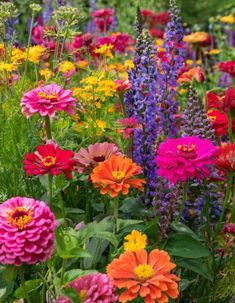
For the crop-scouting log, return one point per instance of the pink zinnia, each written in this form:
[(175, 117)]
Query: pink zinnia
[(94, 288), (26, 231), (49, 159), (47, 100), (128, 125), (122, 85), (95, 153), (183, 158)]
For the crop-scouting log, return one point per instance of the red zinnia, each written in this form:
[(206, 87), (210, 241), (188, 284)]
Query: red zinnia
[(225, 157), (227, 67), (49, 159), (222, 101)]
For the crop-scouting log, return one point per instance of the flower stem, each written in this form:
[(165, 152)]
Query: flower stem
[(64, 262), (50, 190), (23, 286), (230, 129), (205, 96), (182, 206), (233, 203), (48, 127), (226, 200), (115, 212)]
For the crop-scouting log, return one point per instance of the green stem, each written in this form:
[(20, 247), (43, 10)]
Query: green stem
[(230, 129), (23, 286), (225, 202), (63, 271), (43, 292), (27, 52), (233, 203), (50, 190), (48, 127), (205, 96), (122, 103), (182, 206), (115, 211)]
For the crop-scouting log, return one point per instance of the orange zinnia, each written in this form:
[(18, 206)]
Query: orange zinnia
[(145, 275), (115, 175)]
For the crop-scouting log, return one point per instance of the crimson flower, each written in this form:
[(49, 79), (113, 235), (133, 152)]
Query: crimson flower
[(227, 67), (225, 157), (49, 159), (222, 101)]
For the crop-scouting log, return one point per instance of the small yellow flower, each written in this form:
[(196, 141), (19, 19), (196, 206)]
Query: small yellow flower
[(213, 51), (111, 109), (135, 241), (199, 62), (101, 125), (228, 19), (105, 50), (66, 67), (35, 53), (129, 64), (17, 55), (159, 42), (189, 62), (7, 67), (1, 46), (82, 64), (46, 73)]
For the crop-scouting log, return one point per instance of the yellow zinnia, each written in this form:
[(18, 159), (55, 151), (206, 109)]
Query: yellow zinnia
[(135, 241)]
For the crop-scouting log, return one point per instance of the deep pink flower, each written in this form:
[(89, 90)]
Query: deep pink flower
[(37, 34), (227, 67), (128, 125), (26, 231), (183, 158), (89, 158), (122, 85), (49, 159), (103, 18), (94, 288), (47, 100)]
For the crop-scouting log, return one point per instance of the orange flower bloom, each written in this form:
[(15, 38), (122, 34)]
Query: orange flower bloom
[(115, 175), (145, 275), (197, 37), (194, 73)]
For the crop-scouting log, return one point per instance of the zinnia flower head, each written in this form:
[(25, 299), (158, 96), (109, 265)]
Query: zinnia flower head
[(197, 37), (47, 100), (94, 288), (122, 85), (117, 175), (227, 67), (183, 158), (95, 153), (224, 101), (146, 275), (135, 241), (225, 157), (194, 73), (26, 231), (128, 125), (49, 159)]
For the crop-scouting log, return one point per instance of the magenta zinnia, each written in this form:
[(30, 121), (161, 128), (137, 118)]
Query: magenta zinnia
[(183, 158), (94, 288), (49, 159), (47, 100), (95, 153), (26, 231)]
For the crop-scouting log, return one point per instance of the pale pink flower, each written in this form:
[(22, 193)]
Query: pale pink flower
[(89, 158), (183, 158), (94, 288), (46, 100), (27, 229)]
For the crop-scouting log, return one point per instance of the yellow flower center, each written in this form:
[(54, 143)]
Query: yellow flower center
[(82, 295), (46, 96), (144, 271), (187, 148), (118, 175), (48, 161), (19, 217)]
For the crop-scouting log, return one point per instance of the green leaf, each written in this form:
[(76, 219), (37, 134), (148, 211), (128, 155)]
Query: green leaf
[(72, 295), (198, 267), (76, 273), (30, 285), (183, 245), (182, 228), (121, 224), (105, 235), (9, 273), (135, 207), (184, 284)]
